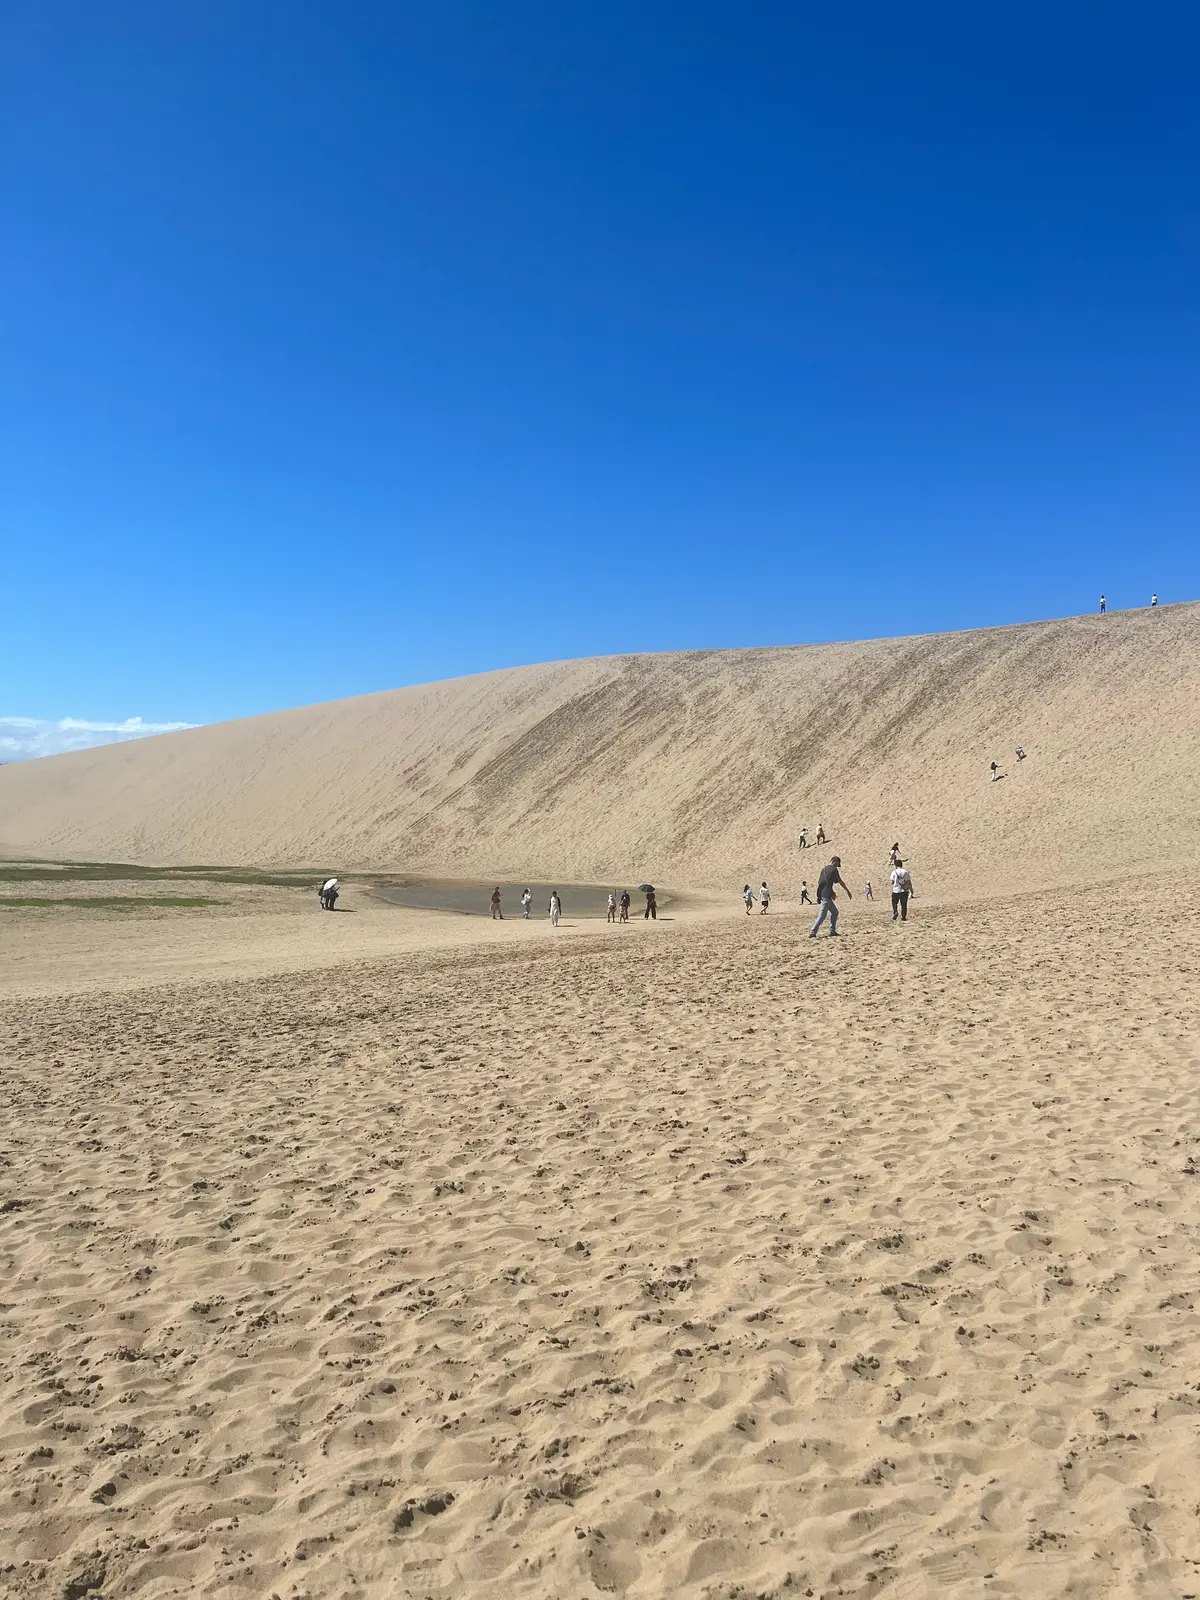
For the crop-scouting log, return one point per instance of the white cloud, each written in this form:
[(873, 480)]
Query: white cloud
[(23, 738)]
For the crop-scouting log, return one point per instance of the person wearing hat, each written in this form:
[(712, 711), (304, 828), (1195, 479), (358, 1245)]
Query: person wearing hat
[(830, 878)]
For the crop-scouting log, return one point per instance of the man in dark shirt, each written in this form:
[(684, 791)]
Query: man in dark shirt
[(830, 877)]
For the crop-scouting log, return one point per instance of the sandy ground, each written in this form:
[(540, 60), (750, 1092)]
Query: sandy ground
[(256, 932), (696, 1259)]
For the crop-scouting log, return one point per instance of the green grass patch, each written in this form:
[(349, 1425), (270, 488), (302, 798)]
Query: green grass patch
[(110, 872)]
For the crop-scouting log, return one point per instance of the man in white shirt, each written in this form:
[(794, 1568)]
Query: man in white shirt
[(901, 889)]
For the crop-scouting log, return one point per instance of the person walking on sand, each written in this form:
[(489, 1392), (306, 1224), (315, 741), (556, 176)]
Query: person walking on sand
[(555, 907), (1153, 599), (803, 839), (526, 904), (748, 899), (870, 894), (901, 889), (829, 880), (1103, 605), (764, 899), (612, 906), (1020, 752), (496, 911), (804, 895), (895, 852), (624, 904), (995, 772), (821, 839), (651, 906)]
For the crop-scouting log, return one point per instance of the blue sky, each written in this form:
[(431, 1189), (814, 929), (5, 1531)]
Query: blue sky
[(347, 347)]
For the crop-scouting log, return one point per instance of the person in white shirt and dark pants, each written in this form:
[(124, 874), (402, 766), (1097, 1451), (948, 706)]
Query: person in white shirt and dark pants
[(901, 889)]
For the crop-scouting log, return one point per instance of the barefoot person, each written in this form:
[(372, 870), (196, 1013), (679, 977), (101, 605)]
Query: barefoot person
[(764, 899), (821, 833), (901, 889), (829, 880)]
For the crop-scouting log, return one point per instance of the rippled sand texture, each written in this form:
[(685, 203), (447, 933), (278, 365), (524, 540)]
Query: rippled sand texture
[(712, 1263)]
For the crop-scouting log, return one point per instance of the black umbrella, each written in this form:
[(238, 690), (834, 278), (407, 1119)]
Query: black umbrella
[(646, 888)]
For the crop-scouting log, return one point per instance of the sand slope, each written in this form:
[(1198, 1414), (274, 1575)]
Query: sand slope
[(691, 768)]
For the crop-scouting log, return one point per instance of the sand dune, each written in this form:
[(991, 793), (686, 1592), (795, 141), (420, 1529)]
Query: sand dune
[(410, 1256), (695, 769)]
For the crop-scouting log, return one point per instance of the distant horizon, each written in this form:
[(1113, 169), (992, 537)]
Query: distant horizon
[(33, 738)]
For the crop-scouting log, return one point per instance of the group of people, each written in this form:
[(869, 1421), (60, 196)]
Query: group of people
[(554, 908), (618, 905), (802, 841), (828, 883), (1104, 602), (831, 880)]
